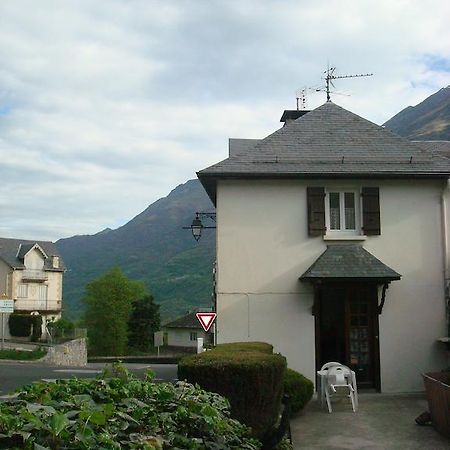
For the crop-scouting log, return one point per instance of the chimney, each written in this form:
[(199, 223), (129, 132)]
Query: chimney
[(292, 114)]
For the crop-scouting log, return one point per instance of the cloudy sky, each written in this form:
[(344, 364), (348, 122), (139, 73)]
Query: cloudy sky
[(107, 105)]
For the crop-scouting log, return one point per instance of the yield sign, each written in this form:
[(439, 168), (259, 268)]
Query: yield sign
[(206, 319)]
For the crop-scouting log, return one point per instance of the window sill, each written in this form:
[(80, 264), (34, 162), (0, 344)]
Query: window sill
[(344, 237)]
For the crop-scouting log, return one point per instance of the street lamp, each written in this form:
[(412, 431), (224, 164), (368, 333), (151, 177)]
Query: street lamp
[(197, 226)]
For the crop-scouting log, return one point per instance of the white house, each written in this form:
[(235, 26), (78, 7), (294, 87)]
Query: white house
[(31, 273), (332, 244), (184, 332)]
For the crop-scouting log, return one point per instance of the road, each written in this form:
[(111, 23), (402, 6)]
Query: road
[(14, 375)]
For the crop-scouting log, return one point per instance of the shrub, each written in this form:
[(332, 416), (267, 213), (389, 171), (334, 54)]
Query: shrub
[(252, 381), (114, 413), (36, 322), (20, 325), (299, 389), (261, 347), (60, 328), (22, 355)]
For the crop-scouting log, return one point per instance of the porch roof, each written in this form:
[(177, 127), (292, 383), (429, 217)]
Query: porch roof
[(342, 262)]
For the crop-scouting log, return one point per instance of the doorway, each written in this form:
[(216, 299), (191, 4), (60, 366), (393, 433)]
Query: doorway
[(347, 329)]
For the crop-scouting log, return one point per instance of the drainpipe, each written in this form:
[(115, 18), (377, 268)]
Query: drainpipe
[(445, 239)]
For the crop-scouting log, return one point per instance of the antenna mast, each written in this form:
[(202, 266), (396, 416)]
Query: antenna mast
[(300, 96), (331, 76)]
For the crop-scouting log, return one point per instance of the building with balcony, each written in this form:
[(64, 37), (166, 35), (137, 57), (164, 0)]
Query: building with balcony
[(31, 274)]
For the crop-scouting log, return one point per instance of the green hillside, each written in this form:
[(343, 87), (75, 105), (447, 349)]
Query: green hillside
[(153, 248)]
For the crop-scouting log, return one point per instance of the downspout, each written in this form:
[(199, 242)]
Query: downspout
[(445, 239)]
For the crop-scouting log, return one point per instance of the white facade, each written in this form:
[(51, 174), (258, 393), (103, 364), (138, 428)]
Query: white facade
[(184, 337), (35, 285), (263, 248)]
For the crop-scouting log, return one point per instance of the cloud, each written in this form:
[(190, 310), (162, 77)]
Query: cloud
[(106, 106)]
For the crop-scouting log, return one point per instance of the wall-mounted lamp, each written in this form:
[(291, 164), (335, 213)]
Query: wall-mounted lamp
[(197, 226)]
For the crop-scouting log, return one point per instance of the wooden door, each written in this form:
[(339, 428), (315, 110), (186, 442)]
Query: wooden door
[(347, 325), (362, 335)]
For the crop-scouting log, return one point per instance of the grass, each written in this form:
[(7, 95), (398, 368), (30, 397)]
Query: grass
[(22, 355)]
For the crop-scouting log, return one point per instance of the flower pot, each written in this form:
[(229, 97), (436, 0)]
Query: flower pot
[(437, 388)]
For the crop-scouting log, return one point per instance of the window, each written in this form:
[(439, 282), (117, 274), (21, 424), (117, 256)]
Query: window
[(22, 290), (342, 211), (193, 336), (43, 291)]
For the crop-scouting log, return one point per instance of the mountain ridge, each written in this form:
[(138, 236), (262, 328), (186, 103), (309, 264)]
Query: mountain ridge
[(428, 120), (151, 247)]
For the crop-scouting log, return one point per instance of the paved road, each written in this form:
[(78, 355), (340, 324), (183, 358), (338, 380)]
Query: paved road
[(14, 375)]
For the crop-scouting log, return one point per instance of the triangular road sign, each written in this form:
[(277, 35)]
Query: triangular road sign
[(206, 319)]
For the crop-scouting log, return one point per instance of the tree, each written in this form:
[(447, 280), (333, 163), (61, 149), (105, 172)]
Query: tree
[(144, 321), (108, 303)]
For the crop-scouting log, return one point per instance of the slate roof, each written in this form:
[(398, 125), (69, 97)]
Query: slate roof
[(348, 261), (188, 321), (11, 255), (329, 142)]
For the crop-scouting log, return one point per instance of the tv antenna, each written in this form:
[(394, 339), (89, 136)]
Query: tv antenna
[(330, 76), (300, 96)]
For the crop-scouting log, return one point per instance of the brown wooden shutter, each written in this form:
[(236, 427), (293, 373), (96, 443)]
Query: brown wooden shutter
[(371, 211), (316, 210)]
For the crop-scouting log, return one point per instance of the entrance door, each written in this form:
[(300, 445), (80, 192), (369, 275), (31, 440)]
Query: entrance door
[(347, 322)]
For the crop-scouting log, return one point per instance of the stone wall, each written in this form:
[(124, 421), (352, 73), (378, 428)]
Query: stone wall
[(71, 353)]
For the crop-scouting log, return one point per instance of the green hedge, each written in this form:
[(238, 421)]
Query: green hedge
[(24, 325), (299, 389), (261, 347), (36, 322), (20, 325), (252, 381)]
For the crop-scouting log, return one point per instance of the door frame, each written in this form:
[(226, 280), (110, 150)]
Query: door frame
[(375, 341)]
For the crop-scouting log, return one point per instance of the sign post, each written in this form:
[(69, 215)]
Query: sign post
[(6, 307), (158, 338), (206, 319)]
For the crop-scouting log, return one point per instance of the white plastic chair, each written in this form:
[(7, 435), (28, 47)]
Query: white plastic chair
[(322, 379), (340, 377)]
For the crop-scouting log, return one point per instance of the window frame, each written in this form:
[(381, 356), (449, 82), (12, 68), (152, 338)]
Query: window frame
[(24, 287), (342, 232), (193, 336)]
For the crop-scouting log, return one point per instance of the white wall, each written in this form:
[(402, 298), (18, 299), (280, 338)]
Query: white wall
[(263, 247), (181, 337)]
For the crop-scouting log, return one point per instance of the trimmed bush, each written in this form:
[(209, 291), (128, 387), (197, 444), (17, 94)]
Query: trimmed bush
[(36, 322), (261, 347), (252, 381), (299, 389), (20, 325)]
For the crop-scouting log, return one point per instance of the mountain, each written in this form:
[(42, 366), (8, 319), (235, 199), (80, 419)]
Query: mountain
[(429, 120), (152, 248)]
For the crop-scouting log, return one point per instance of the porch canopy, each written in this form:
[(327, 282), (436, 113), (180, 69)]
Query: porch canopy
[(349, 262)]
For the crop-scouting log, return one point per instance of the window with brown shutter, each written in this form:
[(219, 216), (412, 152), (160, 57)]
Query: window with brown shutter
[(371, 211), (316, 210)]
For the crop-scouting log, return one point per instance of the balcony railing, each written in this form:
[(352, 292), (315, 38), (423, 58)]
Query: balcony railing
[(34, 275), (37, 305)]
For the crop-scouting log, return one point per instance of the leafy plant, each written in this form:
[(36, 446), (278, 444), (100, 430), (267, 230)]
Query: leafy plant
[(119, 413), (299, 389), (60, 328)]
